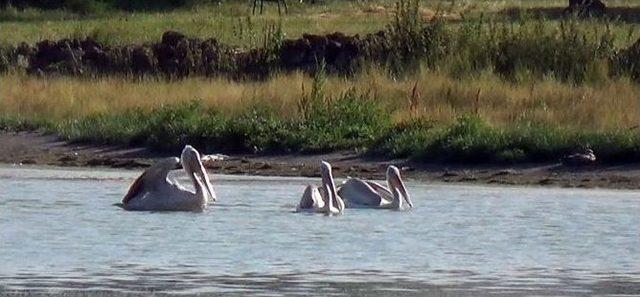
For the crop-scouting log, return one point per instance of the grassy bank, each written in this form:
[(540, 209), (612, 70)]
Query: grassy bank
[(342, 124), (479, 119), (494, 89), (438, 97)]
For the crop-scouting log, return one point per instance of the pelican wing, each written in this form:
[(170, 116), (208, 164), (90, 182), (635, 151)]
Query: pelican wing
[(135, 189), (152, 178), (311, 198), (383, 191), (358, 192)]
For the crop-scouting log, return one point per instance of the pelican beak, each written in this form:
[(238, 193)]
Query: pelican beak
[(207, 183), (204, 178), (398, 184), (325, 173), (405, 194), (327, 194), (329, 185), (195, 162)]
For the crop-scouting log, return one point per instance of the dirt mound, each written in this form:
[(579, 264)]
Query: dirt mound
[(176, 55), (336, 49), (586, 8)]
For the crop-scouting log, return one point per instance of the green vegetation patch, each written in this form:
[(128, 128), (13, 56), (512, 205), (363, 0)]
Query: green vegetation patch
[(471, 140), (346, 122)]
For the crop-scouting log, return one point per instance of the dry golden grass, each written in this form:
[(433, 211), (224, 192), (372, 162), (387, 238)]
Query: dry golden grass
[(61, 98), (610, 105), (439, 98)]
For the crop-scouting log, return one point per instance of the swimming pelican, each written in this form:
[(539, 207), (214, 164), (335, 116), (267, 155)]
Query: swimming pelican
[(154, 191), (323, 199), (367, 194)]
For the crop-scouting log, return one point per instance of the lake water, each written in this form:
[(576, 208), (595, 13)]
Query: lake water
[(60, 233)]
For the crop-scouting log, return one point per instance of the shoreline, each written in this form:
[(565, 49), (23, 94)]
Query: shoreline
[(35, 148)]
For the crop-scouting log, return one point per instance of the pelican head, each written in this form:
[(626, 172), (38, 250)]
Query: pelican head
[(329, 186), (396, 185), (325, 170), (192, 164)]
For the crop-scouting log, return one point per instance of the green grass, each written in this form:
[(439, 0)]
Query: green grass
[(346, 122), (468, 139), (472, 140), (233, 23)]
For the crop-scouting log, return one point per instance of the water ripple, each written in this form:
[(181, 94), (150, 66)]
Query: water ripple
[(59, 233)]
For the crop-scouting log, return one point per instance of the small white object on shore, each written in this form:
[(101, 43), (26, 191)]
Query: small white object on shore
[(209, 160)]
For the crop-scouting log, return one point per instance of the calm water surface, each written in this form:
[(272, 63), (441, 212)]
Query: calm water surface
[(60, 233)]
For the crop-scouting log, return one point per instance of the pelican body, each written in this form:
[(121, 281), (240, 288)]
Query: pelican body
[(154, 191), (323, 199), (358, 193)]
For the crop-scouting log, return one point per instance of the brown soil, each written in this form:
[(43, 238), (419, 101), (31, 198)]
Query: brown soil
[(29, 148)]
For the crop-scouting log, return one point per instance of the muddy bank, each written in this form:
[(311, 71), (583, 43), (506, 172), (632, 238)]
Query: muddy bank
[(31, 148)]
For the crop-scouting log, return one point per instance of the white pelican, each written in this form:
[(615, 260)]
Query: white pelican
[(367, 194), (322, 199), (154, 191)]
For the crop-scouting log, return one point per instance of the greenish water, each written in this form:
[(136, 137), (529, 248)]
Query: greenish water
[(60, 233)]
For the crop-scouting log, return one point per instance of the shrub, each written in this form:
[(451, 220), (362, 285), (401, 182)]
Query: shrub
[(79, 6)]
